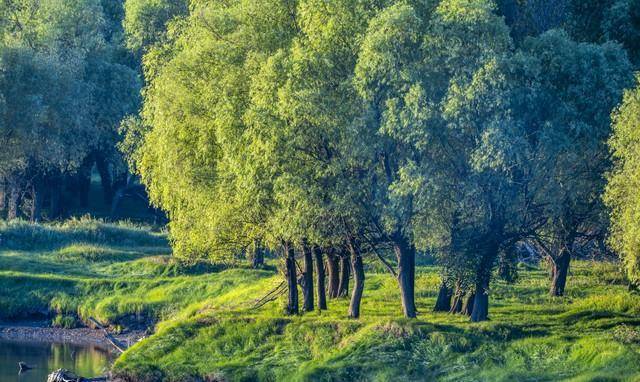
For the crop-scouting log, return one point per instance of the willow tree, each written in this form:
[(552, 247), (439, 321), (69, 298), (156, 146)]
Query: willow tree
[(568, 90), (411, 62), (624, 182)]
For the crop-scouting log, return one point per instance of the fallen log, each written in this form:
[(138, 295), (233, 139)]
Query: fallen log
[(63, 375)]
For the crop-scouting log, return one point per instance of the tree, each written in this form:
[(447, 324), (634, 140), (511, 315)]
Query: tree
[(622, 190), (145, 21)]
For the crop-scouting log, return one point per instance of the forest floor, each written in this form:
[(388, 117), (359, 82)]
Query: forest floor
[(202, 325)]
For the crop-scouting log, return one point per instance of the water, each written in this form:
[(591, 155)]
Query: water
[(86, 361)]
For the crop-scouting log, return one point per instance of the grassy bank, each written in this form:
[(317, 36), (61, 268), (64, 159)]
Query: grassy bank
[(205, 326)]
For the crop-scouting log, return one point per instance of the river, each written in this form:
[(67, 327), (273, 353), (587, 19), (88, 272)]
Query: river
[(86, 361)]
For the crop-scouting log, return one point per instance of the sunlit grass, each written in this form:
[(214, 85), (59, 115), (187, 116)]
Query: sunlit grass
[(205, 325)]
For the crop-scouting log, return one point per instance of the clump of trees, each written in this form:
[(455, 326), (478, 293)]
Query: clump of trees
[(66, 82), (336, 134), (347, 130)]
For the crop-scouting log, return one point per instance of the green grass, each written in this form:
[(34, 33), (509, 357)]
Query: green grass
[(205, 327)]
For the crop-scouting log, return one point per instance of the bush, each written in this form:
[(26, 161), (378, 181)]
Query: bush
[(65, 322)]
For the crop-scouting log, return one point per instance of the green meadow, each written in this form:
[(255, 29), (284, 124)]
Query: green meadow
[(203, 323)]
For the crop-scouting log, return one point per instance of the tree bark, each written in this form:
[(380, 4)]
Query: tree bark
[(320, 277), (559, 272), (443, 303), (292, 305), (480, 309), (333, 269), (467, 305), (36, 201), (358, 281), (456, 303), (345, 268), (406, 254), (257, 257), (13, 200), (308, 279)]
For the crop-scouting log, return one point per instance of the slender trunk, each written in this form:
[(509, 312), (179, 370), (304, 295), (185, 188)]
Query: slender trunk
[(36, 201), (358, 281), (257, 257), (105, 179), (307, 275), (467, 305), (320, 276), (3, 195), (559, 272), (13, 200), (406, 254), (345, 268), (456, 303), (333, 269), (292, 306), (443, 303)]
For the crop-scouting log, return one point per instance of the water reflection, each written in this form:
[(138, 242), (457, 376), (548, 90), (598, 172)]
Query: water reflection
[(87, 361)]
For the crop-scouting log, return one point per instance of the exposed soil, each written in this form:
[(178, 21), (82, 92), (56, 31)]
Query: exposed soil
[(41, 331)]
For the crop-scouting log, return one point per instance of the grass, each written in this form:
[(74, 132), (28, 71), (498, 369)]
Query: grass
[(205, 328)]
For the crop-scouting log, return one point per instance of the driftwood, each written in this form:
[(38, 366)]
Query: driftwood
[(108, 335), (62, 375), (23, 367)]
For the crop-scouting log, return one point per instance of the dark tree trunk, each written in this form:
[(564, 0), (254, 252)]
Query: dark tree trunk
[(467, 305), (456, 303), (406, 254), (320, 277), (36, 201), (307, 286), (55, 196), (480, 309), (358, 281), (257, 257), (333, 269), (292, 306), (105, 179), (443, 303), (559, 272), (3, 195), (345, 268)]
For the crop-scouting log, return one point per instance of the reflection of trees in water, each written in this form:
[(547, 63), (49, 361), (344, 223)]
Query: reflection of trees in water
[(44, 358)]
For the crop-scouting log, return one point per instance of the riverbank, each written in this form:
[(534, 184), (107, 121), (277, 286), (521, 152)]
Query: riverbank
[(42, 332), (203, 324)]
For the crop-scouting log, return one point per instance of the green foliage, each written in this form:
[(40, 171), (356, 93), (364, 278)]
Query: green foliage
[(622, 191), (145, 22)]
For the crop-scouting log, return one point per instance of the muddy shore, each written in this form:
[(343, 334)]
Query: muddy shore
[(41, 331)]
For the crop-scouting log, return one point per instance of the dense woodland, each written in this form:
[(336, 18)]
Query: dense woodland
[(328, 133)]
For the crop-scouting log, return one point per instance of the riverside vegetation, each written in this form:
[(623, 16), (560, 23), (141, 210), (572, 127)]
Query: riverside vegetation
[(204, 324)]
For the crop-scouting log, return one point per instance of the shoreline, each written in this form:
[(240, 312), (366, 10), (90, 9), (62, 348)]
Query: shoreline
[(42, 332)]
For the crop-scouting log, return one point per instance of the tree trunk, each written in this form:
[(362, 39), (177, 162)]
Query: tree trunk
[(358, 281), (480, 309), (456, 303), (257, 256), (307, 287), (322, 297), (467, 305), (292, 306), (333, 268), (406, 254), (443, 303), (13, 200), (3, 195), (105, 179), (345, 268), (559, 272), (36, 201)]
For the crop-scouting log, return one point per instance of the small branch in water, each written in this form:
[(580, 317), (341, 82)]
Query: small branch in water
[(109, 337)]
